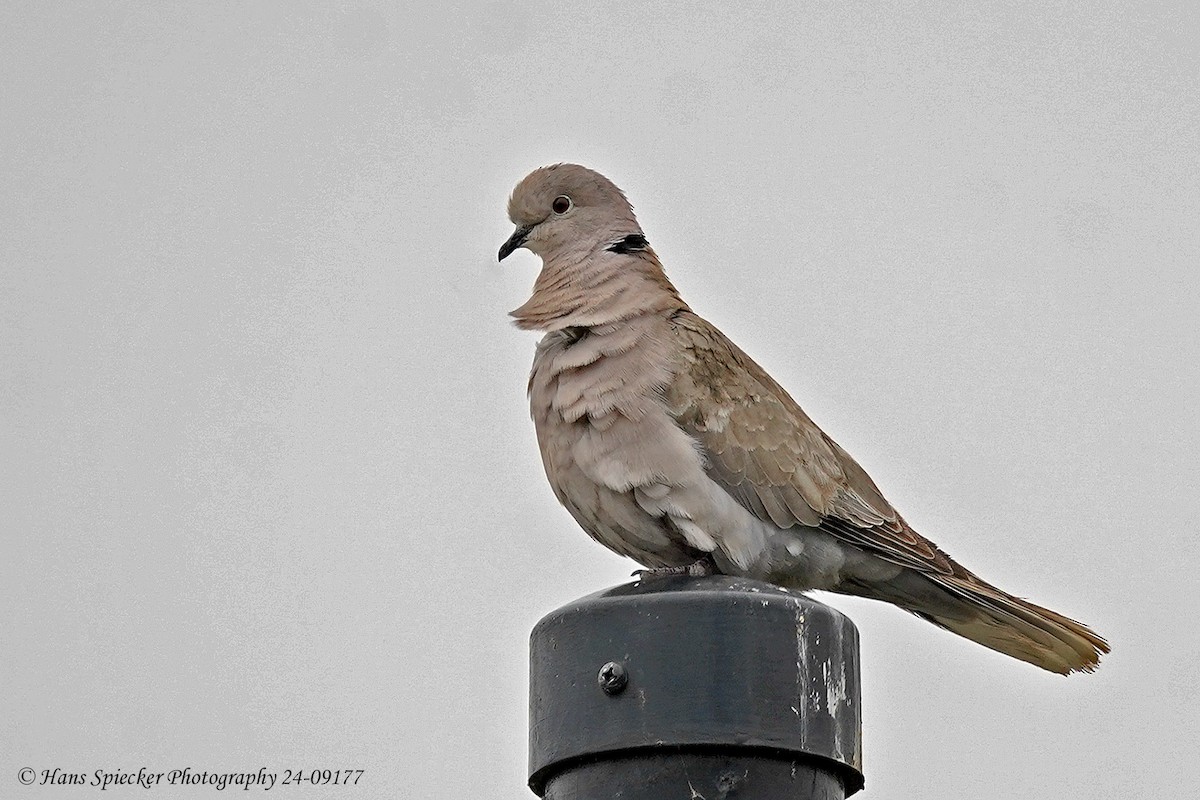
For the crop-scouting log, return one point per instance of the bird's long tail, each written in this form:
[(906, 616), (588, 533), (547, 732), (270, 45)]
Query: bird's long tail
[(974, 609)]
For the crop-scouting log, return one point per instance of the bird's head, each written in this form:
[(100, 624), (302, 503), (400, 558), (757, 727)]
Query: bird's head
[(566, 209)]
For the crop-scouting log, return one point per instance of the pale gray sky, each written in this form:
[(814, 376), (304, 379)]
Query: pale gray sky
[(270, 494)]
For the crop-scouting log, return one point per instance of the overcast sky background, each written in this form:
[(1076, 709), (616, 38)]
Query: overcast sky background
[(269, 491)]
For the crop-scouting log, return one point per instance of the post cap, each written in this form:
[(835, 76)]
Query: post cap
[(712, 663)]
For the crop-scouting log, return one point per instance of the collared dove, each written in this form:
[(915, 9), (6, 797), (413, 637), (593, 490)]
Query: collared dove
[(669, 445)]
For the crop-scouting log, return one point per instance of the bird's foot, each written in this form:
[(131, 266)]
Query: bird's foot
[(698, 569)]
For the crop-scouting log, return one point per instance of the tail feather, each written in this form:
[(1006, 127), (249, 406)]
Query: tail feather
[(1022, 629), (976, 610)]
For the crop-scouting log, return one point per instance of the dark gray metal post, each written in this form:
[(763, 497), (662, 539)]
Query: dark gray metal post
[(692, 688)]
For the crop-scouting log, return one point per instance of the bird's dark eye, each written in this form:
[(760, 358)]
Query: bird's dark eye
[(561, 204)]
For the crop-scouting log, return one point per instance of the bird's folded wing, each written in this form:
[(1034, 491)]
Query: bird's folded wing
[(763, 449)]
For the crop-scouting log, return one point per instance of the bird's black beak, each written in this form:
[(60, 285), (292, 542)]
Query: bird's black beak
[(516, 240)]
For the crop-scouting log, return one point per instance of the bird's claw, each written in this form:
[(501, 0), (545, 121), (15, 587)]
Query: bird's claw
[(697, 569)]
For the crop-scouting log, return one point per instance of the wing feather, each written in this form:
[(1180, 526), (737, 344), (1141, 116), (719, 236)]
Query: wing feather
[(765, 451)]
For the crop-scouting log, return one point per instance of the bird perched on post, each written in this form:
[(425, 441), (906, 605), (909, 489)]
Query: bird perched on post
[(669, 445)]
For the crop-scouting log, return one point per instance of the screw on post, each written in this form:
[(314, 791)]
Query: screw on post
[(612, 678)]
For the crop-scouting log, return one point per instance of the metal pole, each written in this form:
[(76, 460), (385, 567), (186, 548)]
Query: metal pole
[(693, 688)]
